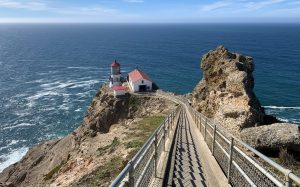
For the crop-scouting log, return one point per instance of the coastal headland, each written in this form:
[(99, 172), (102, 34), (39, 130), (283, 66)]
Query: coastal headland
[(113, 129)]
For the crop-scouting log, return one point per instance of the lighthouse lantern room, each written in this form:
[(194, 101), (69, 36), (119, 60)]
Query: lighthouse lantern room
[(115, 74)]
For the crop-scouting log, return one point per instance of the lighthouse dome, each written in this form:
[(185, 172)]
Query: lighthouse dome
[(115, 64)]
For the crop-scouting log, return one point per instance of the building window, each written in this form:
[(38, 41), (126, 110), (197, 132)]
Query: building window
[(142, 81)]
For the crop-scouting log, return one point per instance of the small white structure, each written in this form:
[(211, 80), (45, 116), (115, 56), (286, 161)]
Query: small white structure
[(115, 74), (139, 81), (119, 91)]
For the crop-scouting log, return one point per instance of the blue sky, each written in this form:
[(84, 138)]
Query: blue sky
[(149, 11)]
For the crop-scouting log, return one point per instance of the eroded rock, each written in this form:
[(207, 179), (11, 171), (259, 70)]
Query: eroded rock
[(273, 137), (226, 90)]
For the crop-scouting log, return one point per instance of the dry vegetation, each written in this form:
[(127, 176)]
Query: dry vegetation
[(134, 137)]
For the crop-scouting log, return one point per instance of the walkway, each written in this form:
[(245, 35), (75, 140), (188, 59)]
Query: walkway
[(185, 166)]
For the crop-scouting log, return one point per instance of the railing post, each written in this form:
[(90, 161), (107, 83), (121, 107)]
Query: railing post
[(230, 159), (155, 155), (288, 181), (214, 139), (164, 138), (169, 125), (131, 175), (200, 124), (205, 123)]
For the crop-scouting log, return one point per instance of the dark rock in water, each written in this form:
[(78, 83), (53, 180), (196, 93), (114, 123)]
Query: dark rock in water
[(226, 90), (273, 137)]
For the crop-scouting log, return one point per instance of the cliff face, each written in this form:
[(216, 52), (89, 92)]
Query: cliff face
[(106, 126), (226, 94), (226, 90)]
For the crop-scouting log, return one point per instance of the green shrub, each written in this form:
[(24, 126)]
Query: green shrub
[(109, 148), (49, 175)]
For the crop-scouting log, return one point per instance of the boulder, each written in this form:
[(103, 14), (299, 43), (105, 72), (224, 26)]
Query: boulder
[(225, 92), (273, 137)]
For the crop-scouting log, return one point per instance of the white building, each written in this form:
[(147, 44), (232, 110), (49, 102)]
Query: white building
[(115, 74), (139, 81), (119, 91)]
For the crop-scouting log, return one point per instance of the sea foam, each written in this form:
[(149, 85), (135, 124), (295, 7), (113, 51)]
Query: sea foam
[(283, 107), (12, 157)]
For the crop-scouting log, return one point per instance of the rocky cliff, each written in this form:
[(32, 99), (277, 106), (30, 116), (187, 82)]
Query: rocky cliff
[(225, 94), (103, 138), (226, 90)]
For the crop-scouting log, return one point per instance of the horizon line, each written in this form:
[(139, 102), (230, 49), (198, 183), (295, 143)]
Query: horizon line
[(113, 23)]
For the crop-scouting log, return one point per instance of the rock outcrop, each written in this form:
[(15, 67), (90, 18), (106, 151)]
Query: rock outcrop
[(226, 94), (273, 137), (226, 91), (64, 161)]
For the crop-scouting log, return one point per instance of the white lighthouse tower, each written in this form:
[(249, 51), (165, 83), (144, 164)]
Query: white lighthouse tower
[(115, 74)]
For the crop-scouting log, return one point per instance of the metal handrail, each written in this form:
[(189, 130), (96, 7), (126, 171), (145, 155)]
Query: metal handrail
[(290, 177), (225, 138), (126, 177)]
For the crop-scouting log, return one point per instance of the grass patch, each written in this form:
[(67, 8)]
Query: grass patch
[(134, 144), (109, 148), (49, 175), (147, 126), (103, 174), (140, 133)]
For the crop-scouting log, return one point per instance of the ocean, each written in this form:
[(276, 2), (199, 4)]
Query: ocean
[(49, 73)]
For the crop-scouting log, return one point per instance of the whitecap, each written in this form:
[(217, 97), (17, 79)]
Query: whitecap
[(85, 68), (13, 142), (42, 94), (63, 107), (19, 125), (283, 107), (12, 157), (78, 110), (85, 83), (36, 81), (283, 120)]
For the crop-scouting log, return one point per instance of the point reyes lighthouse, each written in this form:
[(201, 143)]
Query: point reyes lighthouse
[(136, 81)]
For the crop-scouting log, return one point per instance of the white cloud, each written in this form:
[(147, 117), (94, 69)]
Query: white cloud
[(215, 5), (30, 5), (262, 4), (134, 1), (85, 11)]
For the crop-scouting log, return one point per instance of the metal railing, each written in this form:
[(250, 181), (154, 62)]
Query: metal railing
[(242, 164), (142, 168)]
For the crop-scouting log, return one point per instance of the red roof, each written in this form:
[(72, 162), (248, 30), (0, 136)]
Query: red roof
[(116, 88), (115, 64), (136, 75)]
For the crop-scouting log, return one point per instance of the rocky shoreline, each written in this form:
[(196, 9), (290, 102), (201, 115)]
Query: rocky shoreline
[(110, 125)]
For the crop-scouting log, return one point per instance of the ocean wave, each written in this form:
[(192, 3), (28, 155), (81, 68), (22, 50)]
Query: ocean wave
[(283, 107), (13, 142), (85, 83), (283, 120), (42, 94), (36, 81), (86, 68), (12, 157), (70, 84), (78, 110), (18, 126), (63, 107)]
